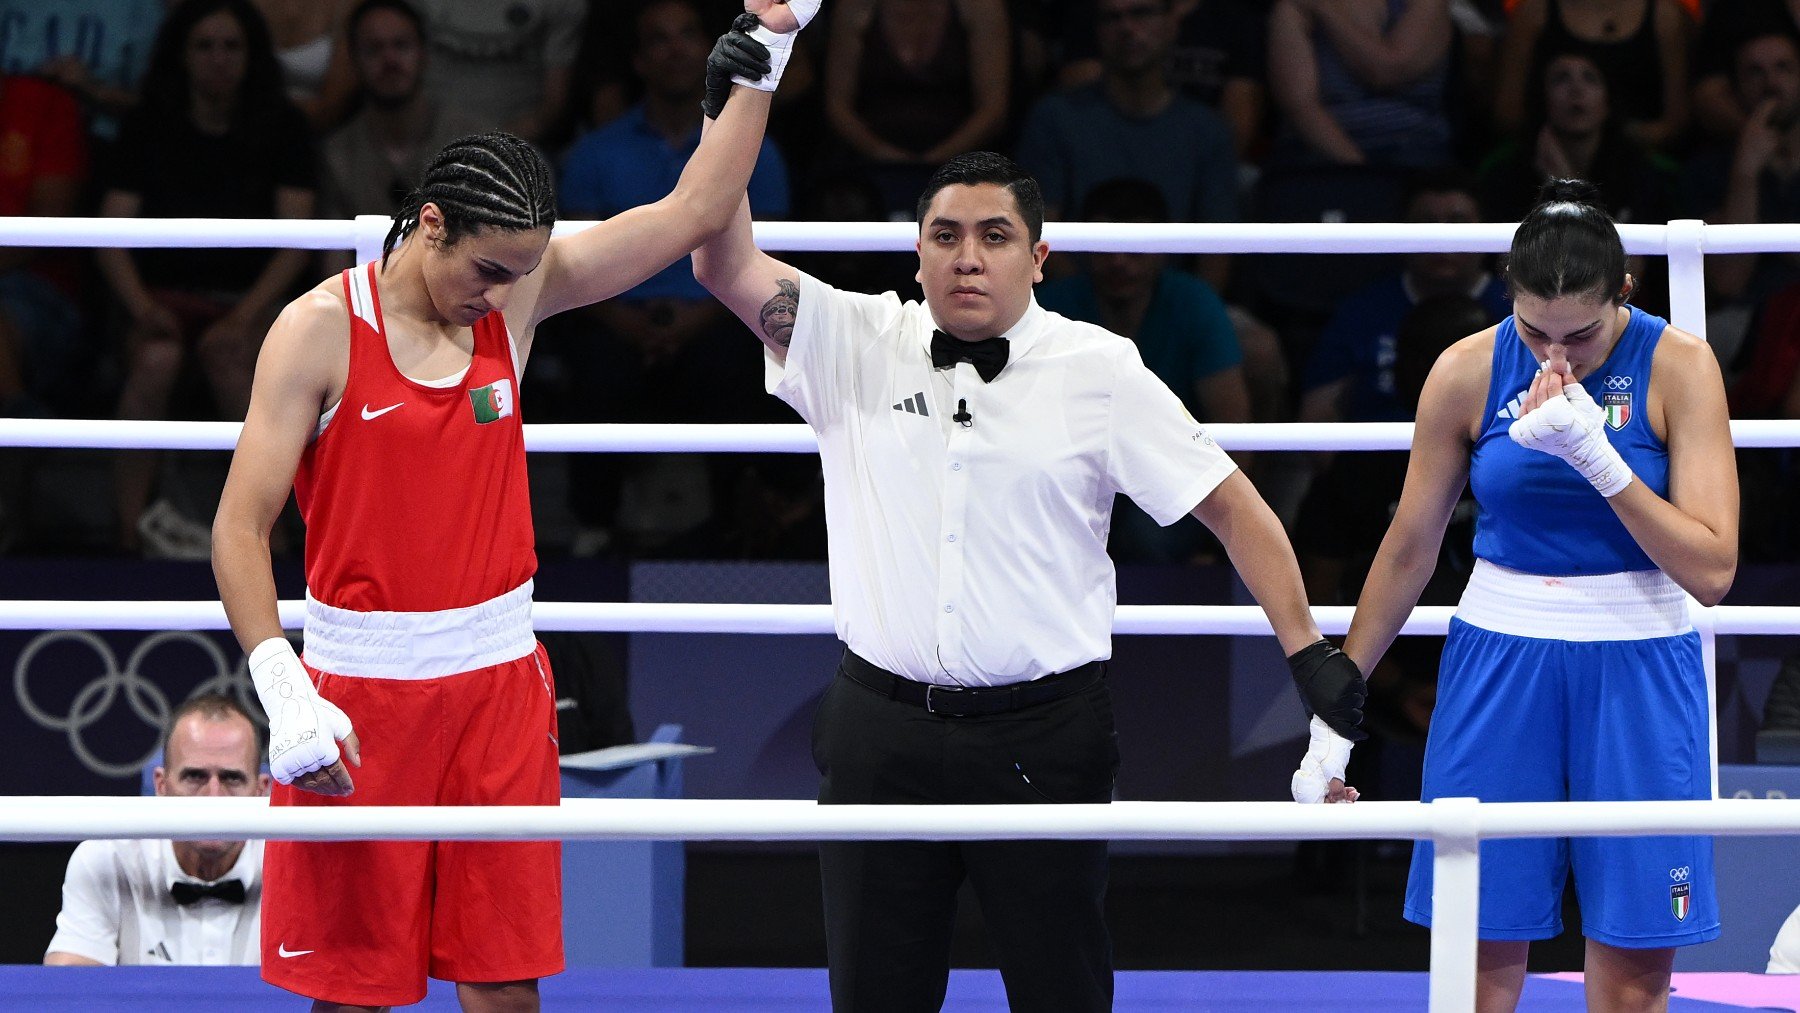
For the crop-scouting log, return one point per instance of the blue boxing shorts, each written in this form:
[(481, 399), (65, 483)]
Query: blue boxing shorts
[(1568, 713)]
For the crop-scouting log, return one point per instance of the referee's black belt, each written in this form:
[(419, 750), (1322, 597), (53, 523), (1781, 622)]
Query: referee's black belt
[(969, 701)]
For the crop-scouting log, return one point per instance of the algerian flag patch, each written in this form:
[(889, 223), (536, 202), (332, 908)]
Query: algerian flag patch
[(493, 402)]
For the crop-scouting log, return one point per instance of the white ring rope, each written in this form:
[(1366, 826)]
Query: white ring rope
[(111, 434), (41, 818), (366, 233), (684, 617)]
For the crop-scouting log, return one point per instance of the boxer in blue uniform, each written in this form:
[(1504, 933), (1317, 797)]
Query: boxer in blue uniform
[(1595, 438)]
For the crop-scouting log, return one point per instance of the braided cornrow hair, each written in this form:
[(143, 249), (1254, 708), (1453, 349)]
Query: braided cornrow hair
[(494, 180)]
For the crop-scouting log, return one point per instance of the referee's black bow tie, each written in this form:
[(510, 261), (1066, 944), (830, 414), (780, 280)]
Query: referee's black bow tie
[(231, 891), (988, 355)]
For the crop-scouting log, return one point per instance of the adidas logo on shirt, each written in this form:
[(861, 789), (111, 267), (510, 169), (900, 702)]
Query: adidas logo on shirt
[(914, 405), (1513, 408)]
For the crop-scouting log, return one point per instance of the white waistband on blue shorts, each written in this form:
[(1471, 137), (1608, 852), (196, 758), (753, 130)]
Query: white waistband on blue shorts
[(419, 645), (1634, 605)]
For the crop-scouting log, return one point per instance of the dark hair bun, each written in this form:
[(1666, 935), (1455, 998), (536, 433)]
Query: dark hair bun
[(1569, 191)]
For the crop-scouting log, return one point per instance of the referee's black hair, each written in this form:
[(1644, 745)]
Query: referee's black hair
[(1568, 245), (979, 167), (401, 7), (492, 180)]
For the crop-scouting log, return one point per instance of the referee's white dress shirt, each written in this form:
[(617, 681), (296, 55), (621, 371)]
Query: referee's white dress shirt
[(117, 908), (976, 555)]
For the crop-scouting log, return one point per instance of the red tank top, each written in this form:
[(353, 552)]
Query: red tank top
[(415, 497)]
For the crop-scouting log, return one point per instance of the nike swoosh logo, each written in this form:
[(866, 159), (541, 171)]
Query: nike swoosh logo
[(281, 950), (367, 415)]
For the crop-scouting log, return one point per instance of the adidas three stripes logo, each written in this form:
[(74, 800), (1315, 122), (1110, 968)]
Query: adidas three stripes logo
[(914, 405)]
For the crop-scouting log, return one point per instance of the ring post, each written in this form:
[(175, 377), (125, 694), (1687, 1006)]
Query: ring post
[(1686, 240), (1706, 623), (1455, 903), (370, 231)]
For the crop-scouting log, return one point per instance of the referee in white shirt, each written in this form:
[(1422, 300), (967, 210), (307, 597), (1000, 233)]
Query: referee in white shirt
[(972, 447), (174, 902)]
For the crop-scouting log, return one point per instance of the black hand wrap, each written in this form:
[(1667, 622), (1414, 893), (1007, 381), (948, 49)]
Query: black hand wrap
[(736, 53), (1331, 688)]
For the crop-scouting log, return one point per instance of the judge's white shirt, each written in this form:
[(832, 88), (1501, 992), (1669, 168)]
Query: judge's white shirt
[(117, 908), (975, 554), (1784, 956)]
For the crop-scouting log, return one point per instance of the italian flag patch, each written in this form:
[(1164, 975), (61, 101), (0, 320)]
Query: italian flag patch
[(493, 402), (1678, 900)]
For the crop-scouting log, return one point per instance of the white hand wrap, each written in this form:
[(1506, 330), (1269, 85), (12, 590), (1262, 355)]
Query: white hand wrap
[(1327, 754), (1571, 426), (781, 45), (304, 728)]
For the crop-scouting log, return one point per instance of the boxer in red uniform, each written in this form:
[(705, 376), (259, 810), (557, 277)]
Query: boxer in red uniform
[(388, 397)]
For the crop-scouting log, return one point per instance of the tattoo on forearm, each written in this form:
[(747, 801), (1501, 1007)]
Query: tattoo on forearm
[(778, 313)]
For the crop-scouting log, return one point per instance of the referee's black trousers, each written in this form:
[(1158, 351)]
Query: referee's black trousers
[(890, 906)]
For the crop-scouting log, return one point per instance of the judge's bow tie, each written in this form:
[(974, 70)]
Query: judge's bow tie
[(988, 355), (231, 891)]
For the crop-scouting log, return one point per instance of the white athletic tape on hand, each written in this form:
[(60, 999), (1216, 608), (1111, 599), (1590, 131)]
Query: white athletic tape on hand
[(304, 728), (1571, 426), (1327, 754), (781, 45)]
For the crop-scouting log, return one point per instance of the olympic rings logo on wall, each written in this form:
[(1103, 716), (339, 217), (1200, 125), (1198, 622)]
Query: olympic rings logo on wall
[(1617, 383), (146, 699)]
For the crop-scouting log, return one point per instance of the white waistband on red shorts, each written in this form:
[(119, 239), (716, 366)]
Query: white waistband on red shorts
[(1634, 605), (419, 645)]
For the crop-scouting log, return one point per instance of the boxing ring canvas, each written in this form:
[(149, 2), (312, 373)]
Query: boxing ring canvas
[(789, 990)]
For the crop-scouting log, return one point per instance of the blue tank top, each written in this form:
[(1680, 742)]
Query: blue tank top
[(1537, 514)]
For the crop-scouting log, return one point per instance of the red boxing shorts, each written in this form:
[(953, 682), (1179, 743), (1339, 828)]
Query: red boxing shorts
[(365, 922)]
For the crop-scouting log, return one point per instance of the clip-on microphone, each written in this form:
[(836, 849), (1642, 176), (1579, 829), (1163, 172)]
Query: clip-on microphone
[(962, 416)]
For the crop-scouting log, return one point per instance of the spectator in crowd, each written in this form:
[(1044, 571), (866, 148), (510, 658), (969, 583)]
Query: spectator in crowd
[(1716, 104), (1133, 122), (1183, 334), (910, 83), (43, 165), (1360, 82), (1640, 46), (1574, 134), (97, 49), (667, 351), (373, 161), (310, 45), (1768, 387), (1217, 58), (214, 137), (1351, 374), (174, 902), (1477, 27), (1753, 179), (1178, 321), (506, 64)]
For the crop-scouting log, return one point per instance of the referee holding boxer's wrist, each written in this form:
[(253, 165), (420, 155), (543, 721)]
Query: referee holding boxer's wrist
[(972, 447)]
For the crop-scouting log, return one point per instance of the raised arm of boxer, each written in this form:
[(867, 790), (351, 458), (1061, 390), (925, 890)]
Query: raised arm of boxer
[(615, 255)]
